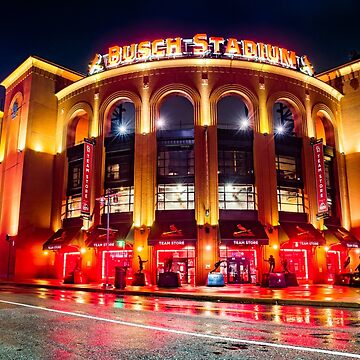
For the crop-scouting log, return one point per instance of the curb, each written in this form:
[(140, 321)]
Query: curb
[(196, 297)]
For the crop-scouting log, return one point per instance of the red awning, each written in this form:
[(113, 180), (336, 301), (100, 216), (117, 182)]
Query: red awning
[(302, 233), (241, 232), (346, 238), (173, 232), (63, 238), (118, 232)]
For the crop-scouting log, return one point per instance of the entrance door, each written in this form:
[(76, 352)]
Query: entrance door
[(298, 263), (181, 267), (238, 271), (72, 262)]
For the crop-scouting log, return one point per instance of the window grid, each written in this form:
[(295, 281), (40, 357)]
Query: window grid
[(328, 162), (235, 163), (123, 202), (175, 197), (290, 199), (286, 168), (176, 162), (71, 207), (75, 176), (113, 172), (235, 196)]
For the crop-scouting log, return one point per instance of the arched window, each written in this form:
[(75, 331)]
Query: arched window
[(78, 128), (175, 154), (288, 152), (14, 110), (77, 131), (122, 119), (235, 155), (325, 131), (119, 158)]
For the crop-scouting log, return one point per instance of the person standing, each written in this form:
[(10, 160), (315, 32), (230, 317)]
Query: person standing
[(271, 262)]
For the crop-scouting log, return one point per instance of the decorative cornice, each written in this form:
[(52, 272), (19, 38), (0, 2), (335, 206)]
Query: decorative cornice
[(200, 63)]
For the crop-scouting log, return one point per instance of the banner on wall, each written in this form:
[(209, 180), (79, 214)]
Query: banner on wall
[(87, 176), (320, 180)]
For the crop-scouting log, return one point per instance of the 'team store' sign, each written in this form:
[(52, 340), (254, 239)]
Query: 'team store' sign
[(200, 46)]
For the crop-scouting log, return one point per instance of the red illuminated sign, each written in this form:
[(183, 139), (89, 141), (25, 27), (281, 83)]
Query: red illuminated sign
[(174, 232), (202, 46), (320, 177), (242, 231), (87, 176)]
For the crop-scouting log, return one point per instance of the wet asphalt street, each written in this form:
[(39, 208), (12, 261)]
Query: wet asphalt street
[(58, 324)]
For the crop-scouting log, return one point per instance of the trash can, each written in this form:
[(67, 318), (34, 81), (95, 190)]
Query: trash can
[(120, 277)]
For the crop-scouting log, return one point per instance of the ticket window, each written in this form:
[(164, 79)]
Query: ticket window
[(183, 263)]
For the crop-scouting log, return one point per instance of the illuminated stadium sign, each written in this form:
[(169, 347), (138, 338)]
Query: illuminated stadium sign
[(200, 46)]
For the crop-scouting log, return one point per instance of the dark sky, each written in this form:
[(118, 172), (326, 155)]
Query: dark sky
[(70, 33)]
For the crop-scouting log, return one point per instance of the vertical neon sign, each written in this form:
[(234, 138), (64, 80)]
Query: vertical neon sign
[(318, 152), (87, 176)]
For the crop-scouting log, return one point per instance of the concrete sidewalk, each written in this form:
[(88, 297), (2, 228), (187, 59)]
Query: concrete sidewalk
[(304, 295)]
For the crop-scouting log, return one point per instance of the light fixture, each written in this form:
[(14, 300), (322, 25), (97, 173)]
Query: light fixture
[(275, 246), (160, 123), (46, 253), (122, 129), (280, 130), (244, 124), (139, 248), (326, 248), (208, 247), (83, 250)]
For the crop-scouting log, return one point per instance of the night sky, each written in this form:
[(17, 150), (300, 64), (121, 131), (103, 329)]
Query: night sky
[(70, 33)]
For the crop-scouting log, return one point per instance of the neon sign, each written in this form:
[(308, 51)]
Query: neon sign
[(200, 46)]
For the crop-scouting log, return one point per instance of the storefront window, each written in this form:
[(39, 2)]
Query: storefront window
[(240, 265), (176, 163), (183, 263), (175, 197), (290, 199), (235, 163), (113, 172), (75, 176), (71, 207), (115, 258), (237, 197), (122, 202), (286, 168)]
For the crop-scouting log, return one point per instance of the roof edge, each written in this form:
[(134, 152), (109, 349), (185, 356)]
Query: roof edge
[(340, 70), (34, 61)]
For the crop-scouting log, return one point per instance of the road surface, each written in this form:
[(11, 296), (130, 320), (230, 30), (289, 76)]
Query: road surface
[(58, 324)]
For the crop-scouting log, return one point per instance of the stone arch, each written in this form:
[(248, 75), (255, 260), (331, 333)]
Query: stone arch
[(328, 122), (296, 106), (72, 119), (177, 88), (244, 93), (112, 99)]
